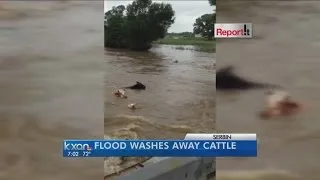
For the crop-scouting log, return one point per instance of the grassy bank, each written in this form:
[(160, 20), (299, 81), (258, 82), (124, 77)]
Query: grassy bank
[(199, 44)]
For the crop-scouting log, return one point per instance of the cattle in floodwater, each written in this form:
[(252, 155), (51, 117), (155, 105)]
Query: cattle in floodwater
[(226, 79), (137, 86)]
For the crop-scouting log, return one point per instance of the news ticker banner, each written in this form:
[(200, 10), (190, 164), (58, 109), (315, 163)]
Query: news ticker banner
[(233, 30), (194, 145)]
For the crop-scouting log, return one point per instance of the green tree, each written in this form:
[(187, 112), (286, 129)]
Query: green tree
[(143, 23), (212, 2), (204, 26), (114, 19)]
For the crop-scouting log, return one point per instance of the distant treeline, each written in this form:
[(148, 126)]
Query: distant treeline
[(181, 34)]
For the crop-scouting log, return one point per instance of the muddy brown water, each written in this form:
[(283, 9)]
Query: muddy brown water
[(50, 87), (45, 47), (180, 97), (284, 50)]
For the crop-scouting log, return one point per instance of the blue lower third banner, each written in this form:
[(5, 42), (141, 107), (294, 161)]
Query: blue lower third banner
[(160, 148)]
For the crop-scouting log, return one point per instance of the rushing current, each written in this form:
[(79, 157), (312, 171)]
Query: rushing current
[(51, 87), (51, 70), (284, 51), (179, 98)]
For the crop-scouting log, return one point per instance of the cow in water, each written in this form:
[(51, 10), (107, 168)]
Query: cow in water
[(137, 86), (227, 80), (279, 103), (120, 93)]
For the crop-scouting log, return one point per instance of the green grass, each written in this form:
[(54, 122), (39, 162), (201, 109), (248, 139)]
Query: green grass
[(199, 44)]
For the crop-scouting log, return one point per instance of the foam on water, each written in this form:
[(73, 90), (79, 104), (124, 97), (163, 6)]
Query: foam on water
[(136, 127)]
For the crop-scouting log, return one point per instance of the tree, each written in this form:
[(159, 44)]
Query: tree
[(114, 19), (212, 2), (204, 26), (143, 23)]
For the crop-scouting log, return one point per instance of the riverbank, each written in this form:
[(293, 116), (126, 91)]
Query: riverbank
[(199, 44)]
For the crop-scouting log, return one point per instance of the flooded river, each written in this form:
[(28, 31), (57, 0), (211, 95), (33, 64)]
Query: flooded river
[(180, 97), (51, 59), (284, 50)]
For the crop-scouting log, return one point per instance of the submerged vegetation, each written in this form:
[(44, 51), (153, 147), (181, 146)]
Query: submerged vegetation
[(143, 23)]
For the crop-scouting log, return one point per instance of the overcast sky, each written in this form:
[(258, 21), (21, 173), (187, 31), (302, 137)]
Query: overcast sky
[(186, 12)]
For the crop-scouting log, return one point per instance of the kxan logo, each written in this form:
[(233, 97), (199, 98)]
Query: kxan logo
[(76, 146)]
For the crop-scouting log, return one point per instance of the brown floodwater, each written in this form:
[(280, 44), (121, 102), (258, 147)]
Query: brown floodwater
[(51, 59), (285, 51), (179, 98)]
